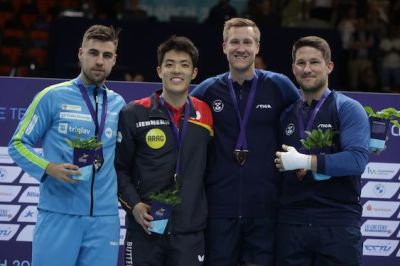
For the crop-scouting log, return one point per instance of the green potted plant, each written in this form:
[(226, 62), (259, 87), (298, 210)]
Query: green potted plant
[(379, 125), (84, 152), (319, 142), (161, 208)]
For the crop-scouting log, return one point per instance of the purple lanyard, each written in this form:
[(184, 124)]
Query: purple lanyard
[(300, 115), (179, 138), (85, 96), (241, 143)]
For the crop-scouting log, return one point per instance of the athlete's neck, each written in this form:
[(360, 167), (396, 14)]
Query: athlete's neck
[(240, 77), (175, 100), (308, 97)]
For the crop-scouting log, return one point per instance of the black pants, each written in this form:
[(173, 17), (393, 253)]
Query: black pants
[(309, 245), (142, 249)]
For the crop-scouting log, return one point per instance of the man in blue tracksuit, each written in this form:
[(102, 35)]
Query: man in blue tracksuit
[(320, 211), (242, 181), (78, 221)]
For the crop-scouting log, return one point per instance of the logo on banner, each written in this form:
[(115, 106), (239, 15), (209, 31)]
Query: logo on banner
[(28, 215), (383, 190), (4, 157), (122, 233), (26, 234), (30, 195), (384, 171), (384, 209), (7, 231), (395, 131), (28, 179), (8, 174), (8, 193), (379, 247), (8, 212), (379, 228)]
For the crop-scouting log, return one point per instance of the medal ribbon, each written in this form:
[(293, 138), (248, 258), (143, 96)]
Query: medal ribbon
[(178, 138), (241, 143)]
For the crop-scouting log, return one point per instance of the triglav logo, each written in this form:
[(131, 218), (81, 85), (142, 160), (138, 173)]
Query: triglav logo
[(379, 247)]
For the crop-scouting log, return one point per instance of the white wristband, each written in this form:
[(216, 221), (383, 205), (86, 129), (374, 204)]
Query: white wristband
[(293, 160)]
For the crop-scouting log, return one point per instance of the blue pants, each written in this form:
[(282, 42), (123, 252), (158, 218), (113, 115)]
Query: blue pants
[(234, 241), (72, 240), (309, 245)]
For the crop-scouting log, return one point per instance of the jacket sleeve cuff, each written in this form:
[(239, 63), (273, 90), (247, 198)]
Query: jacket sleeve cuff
[(321, 163)]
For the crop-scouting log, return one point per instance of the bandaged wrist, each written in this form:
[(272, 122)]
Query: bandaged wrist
[(293, 160)]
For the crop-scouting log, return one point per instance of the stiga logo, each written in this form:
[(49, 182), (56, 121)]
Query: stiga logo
[(384, 209), (379, 228), (155, 138), (379, 247), (383, 171), (382, 190)]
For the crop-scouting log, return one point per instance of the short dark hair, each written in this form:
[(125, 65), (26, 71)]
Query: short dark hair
[(315, 42), (179, 44), (102, 33)]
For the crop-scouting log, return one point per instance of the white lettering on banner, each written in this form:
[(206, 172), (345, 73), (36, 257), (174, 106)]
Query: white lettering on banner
[(384, 171), (7, 231), (8, 193), (379, 247), (8, 174), (122, 234), (4, 157), (28, 179), (384, 209), (75, 116), (26, 234), (70, 107), (122, 214), (382, 190), (8, 212), (28, 215), (395, 131), (30, 195), (379, 228)]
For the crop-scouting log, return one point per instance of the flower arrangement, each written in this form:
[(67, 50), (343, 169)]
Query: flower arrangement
[(387, 113), (88, 144), (169, 196)]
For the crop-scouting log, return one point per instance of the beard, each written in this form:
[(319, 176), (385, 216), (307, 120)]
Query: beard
[(315, 87)]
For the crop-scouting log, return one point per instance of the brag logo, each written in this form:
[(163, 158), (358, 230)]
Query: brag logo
[(155, 138), (217, 106)]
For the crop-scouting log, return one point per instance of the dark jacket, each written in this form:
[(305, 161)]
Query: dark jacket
[(146, 159), (250, 190)]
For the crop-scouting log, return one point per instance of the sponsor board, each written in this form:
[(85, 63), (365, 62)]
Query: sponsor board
[(383, 171), (384, 209), (28, 179), (382, 190), (8, 174), (4, 157), (379, 247), (26, 234), (379, 228), (9, 193), (28, 215), (8, 212), (122, 214), (122, 233), (30, 195), (7, 231)]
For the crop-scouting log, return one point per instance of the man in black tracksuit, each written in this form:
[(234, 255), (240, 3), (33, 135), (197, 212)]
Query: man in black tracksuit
[(161, 136)]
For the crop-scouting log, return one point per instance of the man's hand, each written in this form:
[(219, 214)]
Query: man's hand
[(292, 159), (142, 216), (60, 171)]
